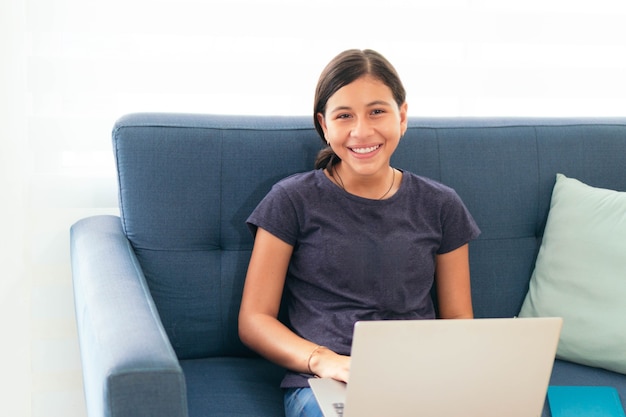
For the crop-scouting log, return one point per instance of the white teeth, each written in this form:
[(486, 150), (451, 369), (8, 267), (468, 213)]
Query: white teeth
[(365, 150)]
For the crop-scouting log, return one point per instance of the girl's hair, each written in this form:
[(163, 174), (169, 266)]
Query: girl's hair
[(345, 68)]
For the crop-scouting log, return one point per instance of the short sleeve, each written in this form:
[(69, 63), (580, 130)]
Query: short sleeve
[(276, 214), (458, 225)]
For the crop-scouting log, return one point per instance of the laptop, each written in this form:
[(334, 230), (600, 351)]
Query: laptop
[(443, 368)]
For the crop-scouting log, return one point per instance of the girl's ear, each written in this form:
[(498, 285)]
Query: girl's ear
[(404, 118), (322, 122)]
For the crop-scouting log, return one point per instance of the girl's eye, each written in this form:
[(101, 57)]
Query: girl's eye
[(378, 111), (343, 116)]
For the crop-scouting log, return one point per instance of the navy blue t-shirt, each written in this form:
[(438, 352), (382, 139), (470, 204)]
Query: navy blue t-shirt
[(356, 258)]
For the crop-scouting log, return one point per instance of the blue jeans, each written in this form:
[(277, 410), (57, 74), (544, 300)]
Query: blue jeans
[(300, 402)]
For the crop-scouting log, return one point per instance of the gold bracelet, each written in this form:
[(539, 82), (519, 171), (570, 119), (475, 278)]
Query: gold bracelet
[(308, 362)]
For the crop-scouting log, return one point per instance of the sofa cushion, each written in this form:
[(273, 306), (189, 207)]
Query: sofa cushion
[(580, 273), (569, 373), (186, 188), (227, 387)]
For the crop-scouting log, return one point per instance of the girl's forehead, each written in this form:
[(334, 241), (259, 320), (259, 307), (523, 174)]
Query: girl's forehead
[(362, 87)]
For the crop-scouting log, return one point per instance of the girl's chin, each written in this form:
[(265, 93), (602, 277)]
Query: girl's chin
[(363, 168)]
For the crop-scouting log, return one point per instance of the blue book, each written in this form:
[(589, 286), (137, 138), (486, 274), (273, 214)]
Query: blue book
[(587, 401)]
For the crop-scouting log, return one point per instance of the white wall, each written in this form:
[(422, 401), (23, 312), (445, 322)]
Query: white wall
[(14, 287), (69, 68)]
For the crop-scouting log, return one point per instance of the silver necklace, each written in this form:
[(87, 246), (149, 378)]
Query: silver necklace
[(393, 180)]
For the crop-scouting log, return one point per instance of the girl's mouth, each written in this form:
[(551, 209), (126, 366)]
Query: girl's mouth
[(364, 151)]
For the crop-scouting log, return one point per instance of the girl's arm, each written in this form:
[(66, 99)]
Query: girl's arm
[(259, 327), (453, 284)]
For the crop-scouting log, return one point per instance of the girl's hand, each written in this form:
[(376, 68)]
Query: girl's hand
[(325, 363)]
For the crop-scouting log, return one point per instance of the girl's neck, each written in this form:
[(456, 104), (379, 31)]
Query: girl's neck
[(377, 187)]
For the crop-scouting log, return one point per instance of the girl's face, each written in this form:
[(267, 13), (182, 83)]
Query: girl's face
[(363, 125)]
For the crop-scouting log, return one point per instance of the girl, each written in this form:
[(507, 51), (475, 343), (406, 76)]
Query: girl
[(354, 239)]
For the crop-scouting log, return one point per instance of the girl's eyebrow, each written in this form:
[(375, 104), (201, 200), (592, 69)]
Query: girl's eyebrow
[(340, 108), (372, 104), (378, 103)]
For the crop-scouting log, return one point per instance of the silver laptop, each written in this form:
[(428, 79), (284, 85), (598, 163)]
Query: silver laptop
[(444, 368)]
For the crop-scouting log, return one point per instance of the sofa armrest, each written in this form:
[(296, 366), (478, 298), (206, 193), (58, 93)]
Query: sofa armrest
[(129, 366)]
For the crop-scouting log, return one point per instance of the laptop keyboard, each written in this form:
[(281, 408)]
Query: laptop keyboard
[(338, 409)]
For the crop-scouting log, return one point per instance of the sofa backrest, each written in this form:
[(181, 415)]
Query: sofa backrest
[(188, 182)]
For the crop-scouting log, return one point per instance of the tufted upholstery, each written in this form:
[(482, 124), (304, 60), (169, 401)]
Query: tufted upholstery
[(157, 290)]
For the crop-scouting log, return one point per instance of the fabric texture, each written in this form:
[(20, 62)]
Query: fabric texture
[(301, 402), (580, 273), (360, 259), (233, 387), (187, 184), (186, 189), (125, 353)]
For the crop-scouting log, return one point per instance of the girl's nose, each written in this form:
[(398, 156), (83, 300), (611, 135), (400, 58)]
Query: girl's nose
[(362, 128)]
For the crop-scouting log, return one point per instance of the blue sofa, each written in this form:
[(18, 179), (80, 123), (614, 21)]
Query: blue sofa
[(157, 289)]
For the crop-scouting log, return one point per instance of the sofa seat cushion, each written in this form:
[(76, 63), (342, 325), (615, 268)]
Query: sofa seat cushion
[(233, 387), (580, 274), (569, 373)]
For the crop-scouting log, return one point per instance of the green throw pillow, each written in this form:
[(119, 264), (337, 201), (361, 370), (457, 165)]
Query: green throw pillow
[(580, 274)]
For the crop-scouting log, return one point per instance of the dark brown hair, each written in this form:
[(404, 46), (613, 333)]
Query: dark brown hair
[(345, 68)]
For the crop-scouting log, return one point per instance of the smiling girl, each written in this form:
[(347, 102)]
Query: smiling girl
[(355, 239)]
